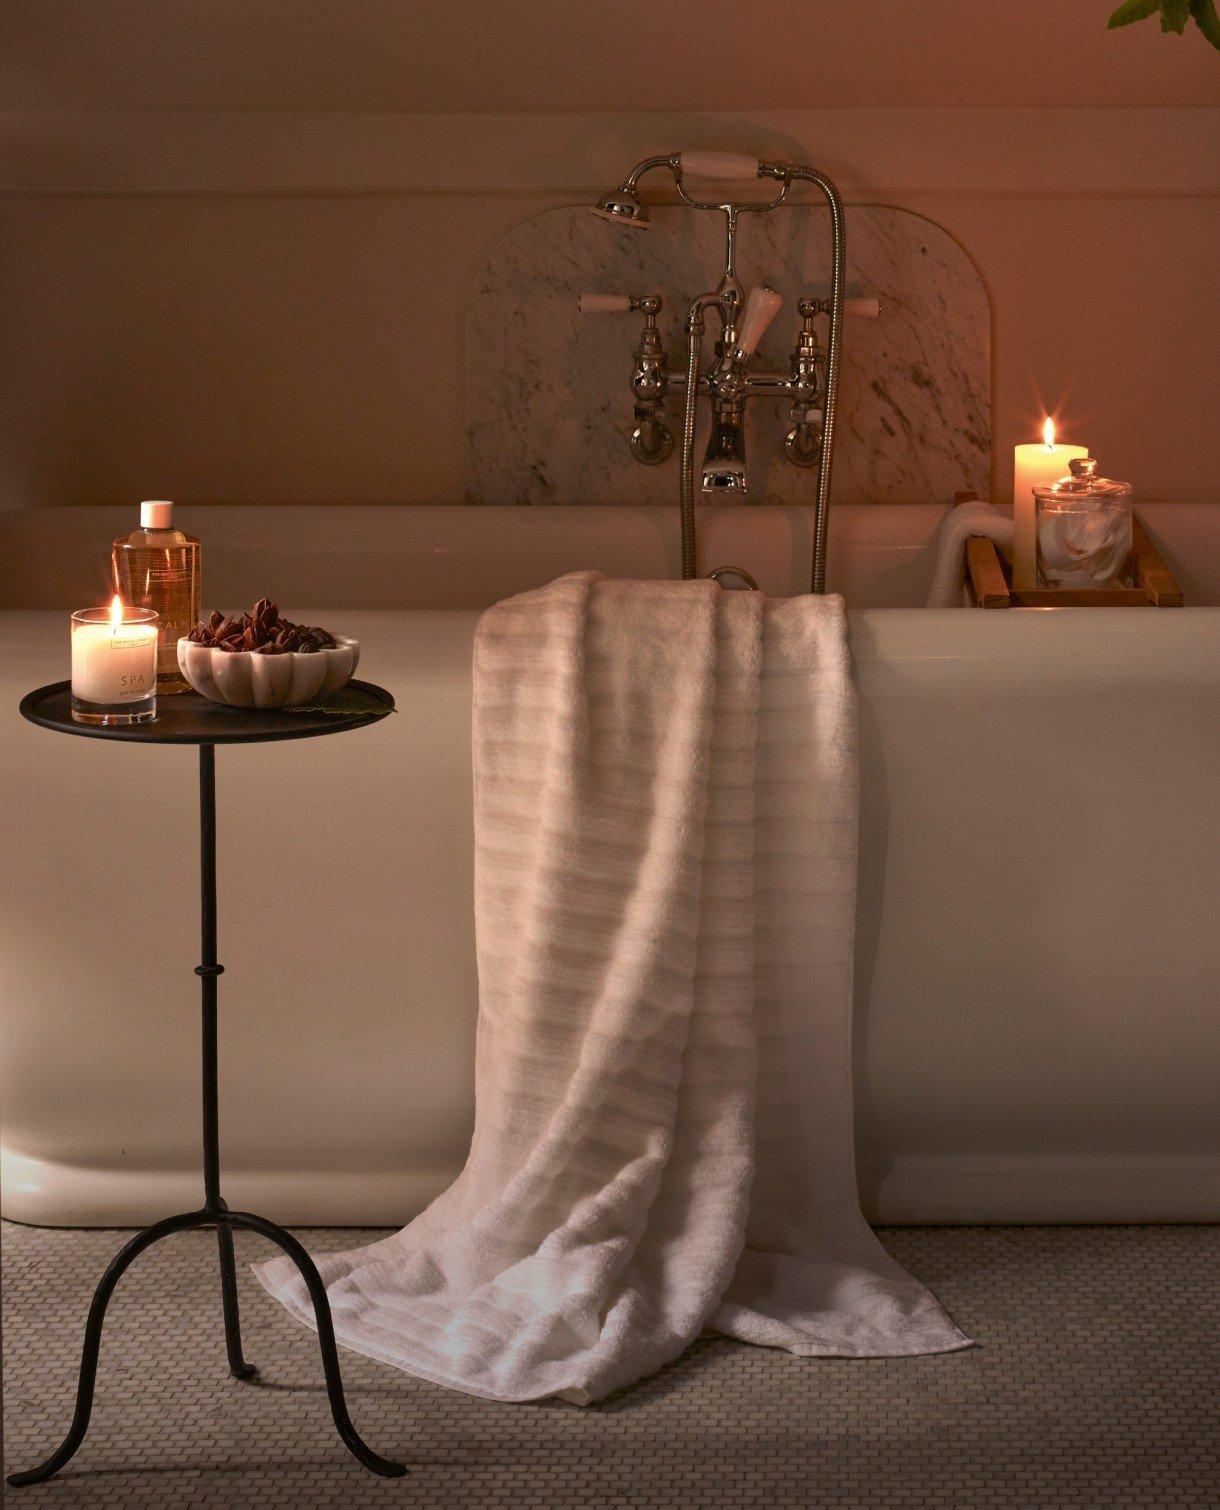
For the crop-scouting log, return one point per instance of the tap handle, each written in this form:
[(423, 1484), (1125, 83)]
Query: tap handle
[(762, 306), (720, 167), (869, 306), (618, 304), (604, 304)]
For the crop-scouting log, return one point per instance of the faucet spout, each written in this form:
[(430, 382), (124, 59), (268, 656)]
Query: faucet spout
[(724, 465)]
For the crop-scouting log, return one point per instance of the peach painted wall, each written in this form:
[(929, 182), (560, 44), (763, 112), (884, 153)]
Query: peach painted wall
[(237, 240)]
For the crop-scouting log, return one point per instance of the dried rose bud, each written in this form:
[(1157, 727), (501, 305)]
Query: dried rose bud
[(262, 630)]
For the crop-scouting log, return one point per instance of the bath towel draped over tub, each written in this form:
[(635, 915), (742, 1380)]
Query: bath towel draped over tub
[(665, 835)]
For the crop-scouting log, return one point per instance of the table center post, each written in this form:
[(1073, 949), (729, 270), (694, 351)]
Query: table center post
[(207, 970)]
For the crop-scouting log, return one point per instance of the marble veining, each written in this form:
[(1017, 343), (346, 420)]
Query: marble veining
[(549, 409)]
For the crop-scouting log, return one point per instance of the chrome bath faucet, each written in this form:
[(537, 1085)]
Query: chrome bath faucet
[(810, 383)]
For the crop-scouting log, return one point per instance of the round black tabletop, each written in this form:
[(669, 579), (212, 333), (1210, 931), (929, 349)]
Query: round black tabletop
[(188, 719)]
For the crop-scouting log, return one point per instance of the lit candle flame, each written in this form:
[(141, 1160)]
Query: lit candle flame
[(116, 611), (1048, 433)]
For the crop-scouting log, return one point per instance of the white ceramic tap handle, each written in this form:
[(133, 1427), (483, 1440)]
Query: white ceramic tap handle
[(604, 304), (722, 167), (869, 306), (762, 306)]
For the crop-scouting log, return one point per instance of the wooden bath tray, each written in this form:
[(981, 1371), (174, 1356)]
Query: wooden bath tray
[(1153, 584)]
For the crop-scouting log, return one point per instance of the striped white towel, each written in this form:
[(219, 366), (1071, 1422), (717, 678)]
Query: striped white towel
[(665, 824)]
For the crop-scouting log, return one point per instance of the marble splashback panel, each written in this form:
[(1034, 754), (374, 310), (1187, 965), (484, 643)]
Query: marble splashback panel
[(548, 403)]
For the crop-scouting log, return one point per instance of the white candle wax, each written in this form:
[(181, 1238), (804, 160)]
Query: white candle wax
[(114, 662), (1034, 466)]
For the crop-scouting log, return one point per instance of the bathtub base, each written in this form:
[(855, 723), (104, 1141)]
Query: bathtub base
[(929, 1190)]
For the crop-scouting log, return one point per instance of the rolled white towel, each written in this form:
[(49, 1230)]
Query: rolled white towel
[(973, 518)]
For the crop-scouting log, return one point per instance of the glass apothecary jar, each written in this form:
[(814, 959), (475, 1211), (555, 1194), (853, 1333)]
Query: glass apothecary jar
[(1084, 528)]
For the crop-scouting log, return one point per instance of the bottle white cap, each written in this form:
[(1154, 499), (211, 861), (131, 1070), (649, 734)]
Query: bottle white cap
[(156, 514)]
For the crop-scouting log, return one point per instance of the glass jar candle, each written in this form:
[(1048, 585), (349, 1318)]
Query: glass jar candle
[(114, 665), (1083, 525)]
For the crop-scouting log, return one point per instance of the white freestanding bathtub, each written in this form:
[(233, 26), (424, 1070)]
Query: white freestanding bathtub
[(1037, 956)]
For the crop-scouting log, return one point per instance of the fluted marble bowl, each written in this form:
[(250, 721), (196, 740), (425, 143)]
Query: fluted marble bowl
[(245, 679)]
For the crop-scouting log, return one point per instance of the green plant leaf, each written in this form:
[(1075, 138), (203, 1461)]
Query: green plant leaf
[(1132, 10), (1174, 15), (1206, 19)]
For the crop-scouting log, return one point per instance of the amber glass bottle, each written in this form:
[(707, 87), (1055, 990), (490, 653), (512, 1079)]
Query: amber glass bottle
[(157, 567)]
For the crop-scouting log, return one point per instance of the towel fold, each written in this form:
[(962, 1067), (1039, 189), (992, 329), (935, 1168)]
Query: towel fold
[(958, 525), (665, 826)]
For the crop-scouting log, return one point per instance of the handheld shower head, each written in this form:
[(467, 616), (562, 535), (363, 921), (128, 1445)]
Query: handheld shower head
[(624, 207)]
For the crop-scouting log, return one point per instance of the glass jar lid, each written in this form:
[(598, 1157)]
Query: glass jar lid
[(1083, 481)]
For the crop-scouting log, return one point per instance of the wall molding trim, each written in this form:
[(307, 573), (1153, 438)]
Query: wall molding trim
[(1138, 151)]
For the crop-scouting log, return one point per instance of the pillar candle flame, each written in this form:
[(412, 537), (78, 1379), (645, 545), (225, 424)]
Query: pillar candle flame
[(1048, 432)]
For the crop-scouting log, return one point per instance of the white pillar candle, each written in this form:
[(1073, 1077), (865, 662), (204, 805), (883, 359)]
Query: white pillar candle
[(114, 658), (1034, 466)]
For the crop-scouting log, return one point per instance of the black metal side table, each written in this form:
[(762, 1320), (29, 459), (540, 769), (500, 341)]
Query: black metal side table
[(191, 719)]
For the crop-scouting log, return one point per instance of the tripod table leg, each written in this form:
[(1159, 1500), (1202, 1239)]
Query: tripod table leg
[(93, 1340), (326, 1341), (238, 1366)]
